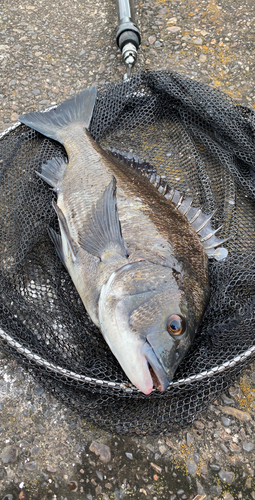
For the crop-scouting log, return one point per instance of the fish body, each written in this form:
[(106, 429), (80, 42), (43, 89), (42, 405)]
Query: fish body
[(137, 263)]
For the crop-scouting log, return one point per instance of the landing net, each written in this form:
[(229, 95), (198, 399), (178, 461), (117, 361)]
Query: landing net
[(204, 145)]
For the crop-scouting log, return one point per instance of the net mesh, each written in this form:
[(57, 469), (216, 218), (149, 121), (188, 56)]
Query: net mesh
[(204, 145)]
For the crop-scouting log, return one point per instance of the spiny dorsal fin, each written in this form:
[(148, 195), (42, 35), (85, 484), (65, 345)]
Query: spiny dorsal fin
[(199, 221), (102, 228)]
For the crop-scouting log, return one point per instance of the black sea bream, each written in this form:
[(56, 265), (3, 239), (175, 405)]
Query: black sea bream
[(137, 262)]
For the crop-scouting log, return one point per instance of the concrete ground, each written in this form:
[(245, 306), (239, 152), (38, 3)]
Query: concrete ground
[(49, 50)]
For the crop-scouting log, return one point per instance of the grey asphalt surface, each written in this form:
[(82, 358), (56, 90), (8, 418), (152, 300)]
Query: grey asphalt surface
[(49, 51)]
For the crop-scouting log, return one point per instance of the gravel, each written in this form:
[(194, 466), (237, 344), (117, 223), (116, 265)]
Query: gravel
[(48, 52)]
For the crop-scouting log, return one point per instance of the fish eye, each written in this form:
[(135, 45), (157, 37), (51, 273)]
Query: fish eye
[(175, 324)]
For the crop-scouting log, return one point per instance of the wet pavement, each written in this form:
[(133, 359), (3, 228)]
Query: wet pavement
[(49, 51)]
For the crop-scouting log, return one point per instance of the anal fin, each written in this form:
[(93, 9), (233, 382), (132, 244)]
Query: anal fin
[(53, 171)]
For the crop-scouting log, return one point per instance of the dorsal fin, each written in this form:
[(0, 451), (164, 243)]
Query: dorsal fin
[(199, 221)]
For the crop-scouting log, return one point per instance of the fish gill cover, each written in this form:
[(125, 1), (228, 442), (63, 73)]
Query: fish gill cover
[(204, 145)]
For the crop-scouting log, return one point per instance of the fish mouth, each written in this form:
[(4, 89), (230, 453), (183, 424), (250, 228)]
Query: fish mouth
[(158, 375)]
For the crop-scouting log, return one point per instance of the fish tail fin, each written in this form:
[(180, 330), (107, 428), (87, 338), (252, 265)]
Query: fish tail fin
[(76, 110)]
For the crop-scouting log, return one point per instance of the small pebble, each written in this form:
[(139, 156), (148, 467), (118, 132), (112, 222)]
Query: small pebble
[(30, 466), (198, 424), (151, 39), (226, 476), (234, 448), (198, 41), (129, 455), (234, 460), (170, 444), (200, 489), (173, 29), (99, 475), (23, 443), (105, 496), (9, 454), (156, 468), (248, 482), (228, 496), (204, 471), (226, 400), (235, 392), (50, 468), (226, 421), (162, 449), (150, 447), (223, 447), (119, 494), (73, 486), (102, 450), (189, 439), (191, 467), (215, 490), (172, 20), (215, 467), (35, 451), (248, 446)]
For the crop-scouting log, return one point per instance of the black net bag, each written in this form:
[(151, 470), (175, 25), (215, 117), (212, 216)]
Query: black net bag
[(204, 145)]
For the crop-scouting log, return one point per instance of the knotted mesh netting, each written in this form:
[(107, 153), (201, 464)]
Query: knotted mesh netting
[(204, 145)]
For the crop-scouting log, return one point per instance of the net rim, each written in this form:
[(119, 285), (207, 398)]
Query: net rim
[(10, 129), (40, 361)]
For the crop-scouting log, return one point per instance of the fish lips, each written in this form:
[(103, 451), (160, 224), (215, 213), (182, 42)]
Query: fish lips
[(168, 351), (159, 377)]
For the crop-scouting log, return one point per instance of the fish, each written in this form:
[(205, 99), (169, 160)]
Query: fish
[(135, 249)]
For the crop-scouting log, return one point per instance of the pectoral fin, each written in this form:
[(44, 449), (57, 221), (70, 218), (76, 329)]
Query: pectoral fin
[(66, 246), (102, 228), (57, 240)]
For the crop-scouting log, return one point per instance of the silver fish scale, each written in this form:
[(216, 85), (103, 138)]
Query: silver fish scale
[(43, 322)]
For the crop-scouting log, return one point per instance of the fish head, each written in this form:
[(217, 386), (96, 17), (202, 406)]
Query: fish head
[(148, 317)]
